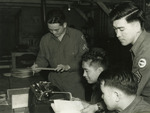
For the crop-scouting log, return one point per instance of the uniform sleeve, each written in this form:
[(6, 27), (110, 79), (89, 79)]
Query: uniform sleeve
[(82, 48), (143, 75), (41, 57)]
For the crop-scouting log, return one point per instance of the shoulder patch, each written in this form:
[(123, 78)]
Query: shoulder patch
[(142, 63)]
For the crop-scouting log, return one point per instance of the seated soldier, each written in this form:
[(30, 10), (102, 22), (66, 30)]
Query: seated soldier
[(94, 62), (119, 92)]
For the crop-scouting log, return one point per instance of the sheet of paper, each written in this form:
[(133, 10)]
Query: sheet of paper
[(20, 100), (64, 106)]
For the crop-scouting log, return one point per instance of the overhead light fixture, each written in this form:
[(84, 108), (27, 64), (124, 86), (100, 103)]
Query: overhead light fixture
[(69, 7)]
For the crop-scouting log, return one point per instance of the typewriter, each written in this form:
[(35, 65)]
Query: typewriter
[(47, 92)]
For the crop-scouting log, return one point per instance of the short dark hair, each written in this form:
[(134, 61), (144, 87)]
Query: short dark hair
[(98, 56), (56, 16), (123, 80), (128, 9)]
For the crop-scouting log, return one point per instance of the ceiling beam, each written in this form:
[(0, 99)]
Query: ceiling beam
[(48, 2), (113, 1), (101, 3), (36, 1), (62, 1), (82, 14), (103, 6)]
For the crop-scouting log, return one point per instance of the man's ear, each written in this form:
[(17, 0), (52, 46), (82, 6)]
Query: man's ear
[(117, 96), (65, 24), (100, 69)]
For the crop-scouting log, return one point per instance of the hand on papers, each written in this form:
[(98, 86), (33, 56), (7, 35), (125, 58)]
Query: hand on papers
[(87, 107), (64, 106), (91, 108)]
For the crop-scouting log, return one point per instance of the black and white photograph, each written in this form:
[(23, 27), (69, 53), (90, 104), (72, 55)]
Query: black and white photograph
[(74, 56)]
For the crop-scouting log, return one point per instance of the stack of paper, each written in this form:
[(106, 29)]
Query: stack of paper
[(64, 106), (19, 100)]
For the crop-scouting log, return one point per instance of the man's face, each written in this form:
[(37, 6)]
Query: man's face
[(126, 32), (91, 72), (56, 29), (108, 96)]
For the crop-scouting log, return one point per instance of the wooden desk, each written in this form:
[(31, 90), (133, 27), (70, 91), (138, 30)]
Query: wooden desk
[(13, 82), (8, 109)]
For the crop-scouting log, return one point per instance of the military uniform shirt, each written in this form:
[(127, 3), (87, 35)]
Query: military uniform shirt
[(141, 64), (68, 51), (137, 106)]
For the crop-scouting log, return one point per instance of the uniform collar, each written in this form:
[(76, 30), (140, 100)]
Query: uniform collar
[(67, 32), (138, 43), (133, 105)]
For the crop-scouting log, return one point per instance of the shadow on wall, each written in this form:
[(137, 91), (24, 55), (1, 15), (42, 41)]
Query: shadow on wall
[(147, 15), (119, 55)]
